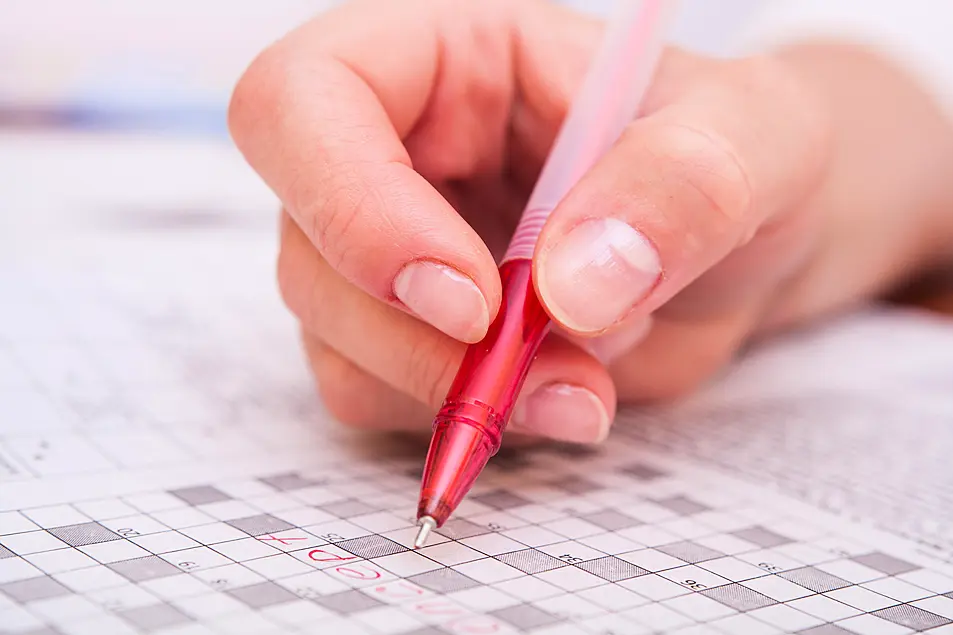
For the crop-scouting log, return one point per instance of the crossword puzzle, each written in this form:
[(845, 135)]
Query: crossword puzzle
[(163, 469), (626, 548)]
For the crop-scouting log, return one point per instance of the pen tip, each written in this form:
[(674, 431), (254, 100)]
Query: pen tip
[(427, 524)]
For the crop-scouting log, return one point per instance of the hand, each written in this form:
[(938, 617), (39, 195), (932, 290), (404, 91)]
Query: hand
[(404, 138)]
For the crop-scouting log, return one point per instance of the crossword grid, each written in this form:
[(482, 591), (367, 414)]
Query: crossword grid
[(556, 542), (581, 554)]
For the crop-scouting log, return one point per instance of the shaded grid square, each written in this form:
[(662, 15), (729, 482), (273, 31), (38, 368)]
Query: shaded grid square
[(83, 534), (738, 597), (525, 617), (531, 561), (912, 617), (371, 547), (501, 499), (826, 629), (348, 508), (612, 569), (814, 579), (690, 552), (33, 589), (201, 495), (612, 520), (286, 482), (145, 568), (260, 525), (458, 529), (6, 553), (885, 564), (682, 505), (155, 617), (762, 537), (576, 485), (443, 581), (643, 472), (264, 594), (348, 602)]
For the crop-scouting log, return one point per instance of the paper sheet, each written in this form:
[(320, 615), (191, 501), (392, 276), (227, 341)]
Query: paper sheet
[(165, 467)]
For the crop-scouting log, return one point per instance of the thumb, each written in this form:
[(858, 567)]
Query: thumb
[(684, 186)]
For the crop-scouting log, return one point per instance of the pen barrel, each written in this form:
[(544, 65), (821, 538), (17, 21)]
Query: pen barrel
[(468, 429), (493, 370), (608, 100)]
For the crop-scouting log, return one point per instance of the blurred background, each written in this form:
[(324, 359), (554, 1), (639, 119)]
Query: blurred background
[(171, 65)]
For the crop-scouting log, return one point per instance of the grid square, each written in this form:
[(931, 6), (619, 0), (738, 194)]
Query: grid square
[(201, 495), (33, 542), (690, 552), (286, 482), (501, 499), (682, 505), (885, 564), (444, 581), (525, 617), (348, 602), (612, 569), (6, 553), (451, 553), (576, 485), (155, 617), (371, 547), (458, 529), (764, 538), (825, 608), (912, 617), (83, 534), (612, 520), (738, 597), (643, 472), (260, 525), (348, 508), (146, 568), (814, 579), (264, 594), (33, 589), (531, 561)]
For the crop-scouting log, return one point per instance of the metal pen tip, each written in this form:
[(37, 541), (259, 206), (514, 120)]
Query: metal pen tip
[(427, 524)]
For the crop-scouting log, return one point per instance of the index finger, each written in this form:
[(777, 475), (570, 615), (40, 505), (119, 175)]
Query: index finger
[(321, 116)]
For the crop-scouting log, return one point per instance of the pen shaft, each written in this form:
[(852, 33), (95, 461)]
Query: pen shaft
[(607, 101)]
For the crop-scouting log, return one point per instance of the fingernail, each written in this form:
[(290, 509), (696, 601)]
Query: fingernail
[(608, 348), (564, 413), (597, 273), (445, 298)]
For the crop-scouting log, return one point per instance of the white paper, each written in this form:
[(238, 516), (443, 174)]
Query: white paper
[(165, 466)]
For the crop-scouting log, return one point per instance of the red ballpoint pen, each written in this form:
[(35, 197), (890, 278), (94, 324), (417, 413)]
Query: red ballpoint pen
[(468, 429)]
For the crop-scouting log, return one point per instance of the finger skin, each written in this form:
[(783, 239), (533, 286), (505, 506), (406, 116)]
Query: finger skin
[(357, 398), (400, 352), (715, 159), (321, 120)]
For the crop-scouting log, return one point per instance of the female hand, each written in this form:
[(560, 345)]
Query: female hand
[(404, 138)]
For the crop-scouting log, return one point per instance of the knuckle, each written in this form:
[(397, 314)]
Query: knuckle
[(341, 388), (430, 369), (303, 283), (707, 164), (340, 201), (258, 92)]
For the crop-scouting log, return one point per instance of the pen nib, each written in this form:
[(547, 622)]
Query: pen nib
[(427, 524)]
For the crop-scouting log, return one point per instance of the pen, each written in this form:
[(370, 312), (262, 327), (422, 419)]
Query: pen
[(468, 429)]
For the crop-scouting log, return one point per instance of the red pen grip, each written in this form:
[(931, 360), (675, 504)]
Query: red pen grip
[(468, 430)]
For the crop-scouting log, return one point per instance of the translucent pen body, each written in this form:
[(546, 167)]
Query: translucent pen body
[(468, 429)]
